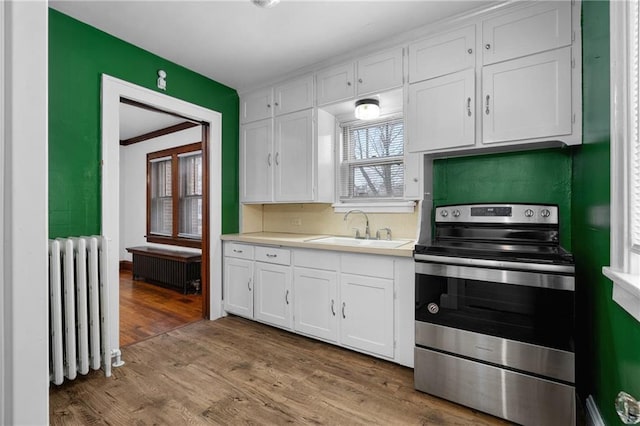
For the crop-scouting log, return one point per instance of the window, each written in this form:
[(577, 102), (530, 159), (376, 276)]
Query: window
[(625, 156), (174, 196), (372, 161)]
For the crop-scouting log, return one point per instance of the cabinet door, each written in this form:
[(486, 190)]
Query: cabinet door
[(238, 286), (413, 171), (366, 313), (315, 303), (442, 54), (256, 105), (256, 161), (273, 298), (441, 112), (293, 160), (294, 95), (379, 72), (527, 98), (544, 26), (335, 84)]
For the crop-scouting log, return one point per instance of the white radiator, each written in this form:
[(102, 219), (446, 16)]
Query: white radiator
[(78, 305)]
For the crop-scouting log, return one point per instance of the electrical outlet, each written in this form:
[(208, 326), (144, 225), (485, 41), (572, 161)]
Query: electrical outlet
[(296, 221)]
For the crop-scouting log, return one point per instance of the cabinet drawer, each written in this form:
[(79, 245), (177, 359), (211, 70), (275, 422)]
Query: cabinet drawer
[(273, 255), (316, 259), (373, 266), (241, 251)]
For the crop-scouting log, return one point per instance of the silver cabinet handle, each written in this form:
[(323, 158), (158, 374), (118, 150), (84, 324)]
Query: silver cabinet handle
[(277, 158), (487, 46), (272, 255), (469, 107), (268, 105), (286, 297), (486, 111), (249, 284), (628, 408), (237, 251), (269, 159), (276, 104), (470, 51), (333, 311), (343, 305), (359, 80), (348, 83)]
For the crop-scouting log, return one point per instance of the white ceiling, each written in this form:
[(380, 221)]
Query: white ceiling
[(242, 46), (136, 121)]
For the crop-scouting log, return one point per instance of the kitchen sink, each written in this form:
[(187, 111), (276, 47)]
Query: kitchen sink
[(350, 241)]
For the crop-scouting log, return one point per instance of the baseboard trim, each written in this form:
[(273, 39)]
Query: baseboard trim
[(126, 265), (593, 414)]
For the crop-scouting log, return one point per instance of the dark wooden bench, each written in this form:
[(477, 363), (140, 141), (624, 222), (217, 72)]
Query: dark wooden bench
[(169, 268)]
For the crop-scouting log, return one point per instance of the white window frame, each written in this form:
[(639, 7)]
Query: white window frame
[(369, 205), (625, 118)]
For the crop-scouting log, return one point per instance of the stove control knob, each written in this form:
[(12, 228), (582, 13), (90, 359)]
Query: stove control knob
[(444, 213), (545, 213), (528, 213), (433, 308), (456, 213)]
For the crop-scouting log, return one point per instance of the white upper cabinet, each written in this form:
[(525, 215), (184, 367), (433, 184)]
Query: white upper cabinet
[(442, 54), (293, 157), (374, 73), (335, 84), (257, 105), (543, 26), (290, 96), (294, 95), (379, 72), (441, 112), (256, 161), (288, 159), (527, 98)]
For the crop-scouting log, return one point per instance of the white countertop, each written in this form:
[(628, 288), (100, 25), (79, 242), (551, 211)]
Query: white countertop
[(301, 240)]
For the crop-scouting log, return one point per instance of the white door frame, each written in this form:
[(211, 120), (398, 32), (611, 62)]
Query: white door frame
[(112, 90)]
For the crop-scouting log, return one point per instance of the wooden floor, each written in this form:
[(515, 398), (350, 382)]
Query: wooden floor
[(235, 371), (147, 310)]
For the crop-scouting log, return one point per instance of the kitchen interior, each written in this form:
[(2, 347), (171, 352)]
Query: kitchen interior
[(468, 266)]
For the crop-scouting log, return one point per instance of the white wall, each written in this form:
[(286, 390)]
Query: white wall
[(133, 187), (24, 367)]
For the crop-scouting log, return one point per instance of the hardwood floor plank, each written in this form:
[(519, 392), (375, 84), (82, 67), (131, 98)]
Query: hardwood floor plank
[(148, 310), (235, 371)]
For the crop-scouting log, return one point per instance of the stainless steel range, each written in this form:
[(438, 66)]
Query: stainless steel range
[(495, 312)]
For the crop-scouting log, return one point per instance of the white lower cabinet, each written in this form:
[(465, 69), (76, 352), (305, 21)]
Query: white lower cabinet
[(238, 279), (272, 296), (366, 313), (342, 298), (316, 303)]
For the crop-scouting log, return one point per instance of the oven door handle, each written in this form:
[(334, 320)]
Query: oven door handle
[(523, 266), (504, 276)]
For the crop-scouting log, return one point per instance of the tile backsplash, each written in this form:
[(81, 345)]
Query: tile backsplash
[(321, 219)]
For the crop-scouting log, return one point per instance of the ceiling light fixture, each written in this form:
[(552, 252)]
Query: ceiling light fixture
[(265, 3), (367, 109)]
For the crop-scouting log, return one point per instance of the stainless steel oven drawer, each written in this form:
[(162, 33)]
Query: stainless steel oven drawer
[(513, 396), (540, 360)]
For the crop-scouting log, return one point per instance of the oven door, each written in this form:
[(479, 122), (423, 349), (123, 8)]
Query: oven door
[(487, 314)]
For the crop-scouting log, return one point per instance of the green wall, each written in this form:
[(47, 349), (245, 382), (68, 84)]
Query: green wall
[(541, 176), (609, 356), (78, 55)]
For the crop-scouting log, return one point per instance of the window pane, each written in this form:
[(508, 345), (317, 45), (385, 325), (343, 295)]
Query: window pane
[(190, 196), (161, 200), (372, 160), (385, 180)]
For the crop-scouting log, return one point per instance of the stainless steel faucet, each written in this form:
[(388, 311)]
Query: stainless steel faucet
[(367, 232), (388, 230)]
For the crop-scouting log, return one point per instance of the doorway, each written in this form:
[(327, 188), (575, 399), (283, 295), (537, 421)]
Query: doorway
[(113, 90), (161, 208)]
